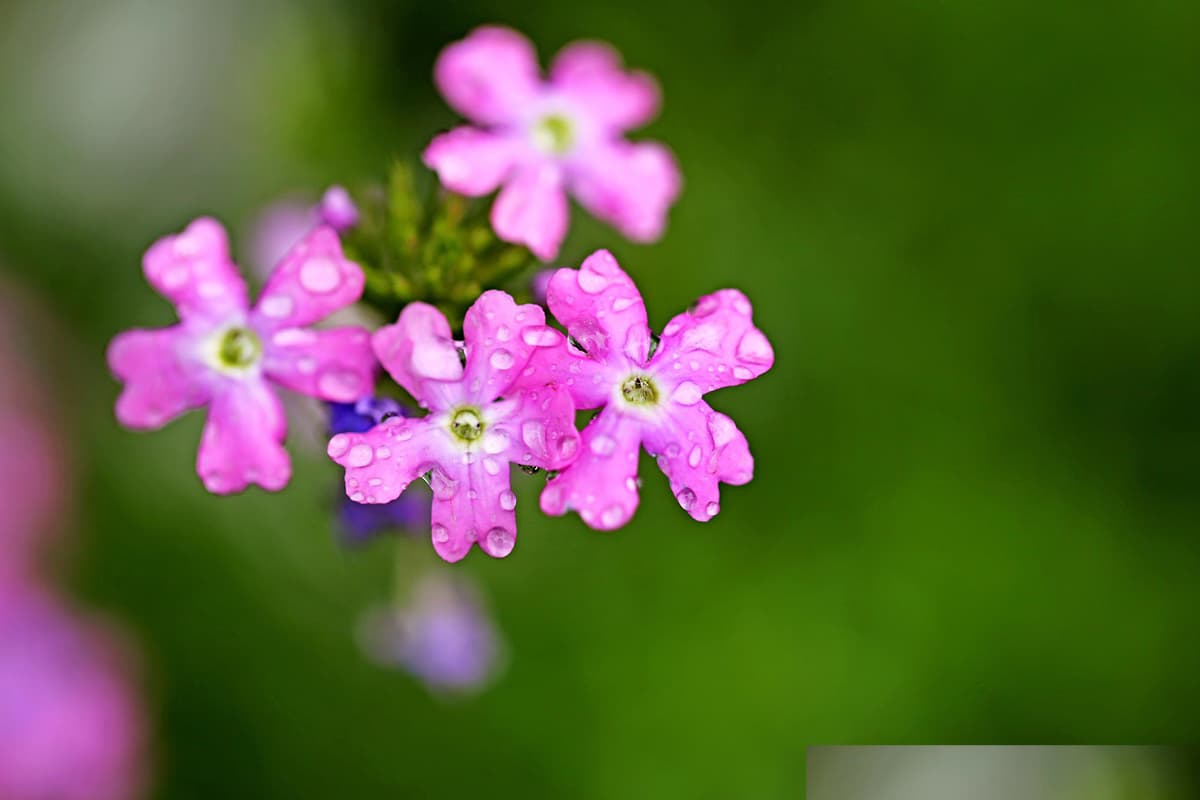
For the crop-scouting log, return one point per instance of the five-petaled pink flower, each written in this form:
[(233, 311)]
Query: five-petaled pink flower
[(540, 139), (224, 354), (649, 396), (476, 425)]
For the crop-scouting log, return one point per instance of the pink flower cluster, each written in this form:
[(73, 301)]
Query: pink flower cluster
[(508, 393)]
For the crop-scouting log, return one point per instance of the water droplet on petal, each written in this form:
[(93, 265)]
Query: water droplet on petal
[(440, 534), (534, 433), (338, 445), (603, 445), (495, 441), (687, 394), (501, 359), (360, 455), (631, 483), (712, 509), (492, 466), (611, 516), (503, 333), (694, 457), (277, 306), (722, 429), (500, 542), (508, 500), (686, 498), (592, 282), (320, 275), (622, 303), (742, 374), (755, 348), (541, 336), (340, 385), (383, 453), (306, 366), (358, 497)]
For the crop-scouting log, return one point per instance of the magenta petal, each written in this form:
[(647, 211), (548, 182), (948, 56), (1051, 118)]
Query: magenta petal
[(532, 210), (602, 484), (418, 350), (471, 161), (335, 364), (698, 448), (243, 440), (602, 310), (591, 75), (538, 430), (561, 364), (631, 186), (714, 344), (473, 503), (489, 77), (193, 270), (499, 337), (382, 462), (311, 282), (159, 385)]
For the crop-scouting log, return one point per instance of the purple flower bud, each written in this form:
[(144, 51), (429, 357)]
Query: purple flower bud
[(443, 636), (539, 283), (337, 209)]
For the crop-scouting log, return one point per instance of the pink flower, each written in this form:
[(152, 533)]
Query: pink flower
[(649, 396), (70, 728), (541, 139), (34, 478), (476, 425), (225, 355)]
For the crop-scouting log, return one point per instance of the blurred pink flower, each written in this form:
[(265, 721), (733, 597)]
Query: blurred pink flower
[(34, 486), (540, 139), (225, 355), (649, 396), (70, 728), (475, 429)]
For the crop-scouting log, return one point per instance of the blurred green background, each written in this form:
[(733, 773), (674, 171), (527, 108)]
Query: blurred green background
[(969, 229)]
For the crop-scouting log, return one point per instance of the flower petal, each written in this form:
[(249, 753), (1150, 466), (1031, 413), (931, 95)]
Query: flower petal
[(602, 484), (159, 384), (471, 161), (602, 310), (490, 76), (591, 75), (335, 364), (193, 270), (537, 429), (382, 462), (243, 440), (712, 345), (630, 186), (419, 352), (590, 382), (532, 210), (474, 503), (311, 282), (697, 448), (500, 336)]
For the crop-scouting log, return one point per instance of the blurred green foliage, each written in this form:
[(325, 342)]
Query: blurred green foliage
[(969, 230)]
